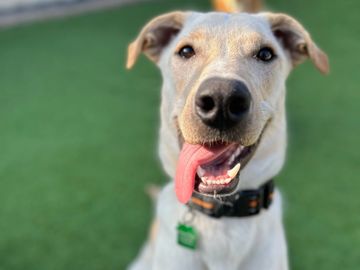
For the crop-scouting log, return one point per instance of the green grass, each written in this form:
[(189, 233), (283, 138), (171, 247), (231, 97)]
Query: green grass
[(78, 141)]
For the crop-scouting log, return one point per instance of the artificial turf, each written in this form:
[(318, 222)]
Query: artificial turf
[(78, 141)]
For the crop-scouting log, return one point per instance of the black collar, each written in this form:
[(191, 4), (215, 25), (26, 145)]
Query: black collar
[(243, 203)]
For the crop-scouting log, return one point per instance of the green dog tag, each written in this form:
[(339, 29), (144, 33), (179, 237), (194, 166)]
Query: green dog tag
[(187, 236)]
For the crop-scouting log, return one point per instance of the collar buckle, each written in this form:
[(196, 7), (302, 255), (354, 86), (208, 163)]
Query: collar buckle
[(253, 202)]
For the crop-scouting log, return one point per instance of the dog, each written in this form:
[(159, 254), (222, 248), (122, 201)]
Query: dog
[(222, 136)]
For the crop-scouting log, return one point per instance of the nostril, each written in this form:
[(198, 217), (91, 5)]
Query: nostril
[(206, 103), (238, 106)]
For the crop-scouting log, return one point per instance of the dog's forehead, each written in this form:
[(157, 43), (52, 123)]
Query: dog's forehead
[(218, 23)]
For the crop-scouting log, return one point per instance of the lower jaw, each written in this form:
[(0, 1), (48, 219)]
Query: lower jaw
[(224, 189)]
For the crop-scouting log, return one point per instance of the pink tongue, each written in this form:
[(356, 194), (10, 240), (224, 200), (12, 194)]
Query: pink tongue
[(191, 156)]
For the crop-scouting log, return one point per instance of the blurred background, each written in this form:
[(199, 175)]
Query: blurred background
[(78, 135)]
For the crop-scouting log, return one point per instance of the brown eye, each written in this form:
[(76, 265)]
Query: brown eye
[(265, 54), (186, 52)]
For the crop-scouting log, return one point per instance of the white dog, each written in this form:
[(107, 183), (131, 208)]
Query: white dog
[(222, 136)]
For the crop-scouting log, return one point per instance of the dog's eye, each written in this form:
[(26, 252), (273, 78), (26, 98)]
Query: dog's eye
[(186, 52), (265, 54)]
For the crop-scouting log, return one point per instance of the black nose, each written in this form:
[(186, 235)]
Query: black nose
[(222, 103)]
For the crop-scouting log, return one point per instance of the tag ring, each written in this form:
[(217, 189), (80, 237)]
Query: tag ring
[(188, 216)]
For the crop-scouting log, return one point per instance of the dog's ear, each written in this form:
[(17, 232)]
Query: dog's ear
[(297, 41), (155, 36)]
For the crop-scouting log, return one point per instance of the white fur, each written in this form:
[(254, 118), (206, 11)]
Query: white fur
[(252, 243)]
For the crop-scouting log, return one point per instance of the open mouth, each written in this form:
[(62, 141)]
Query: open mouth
[(221, 175), (211, 169)]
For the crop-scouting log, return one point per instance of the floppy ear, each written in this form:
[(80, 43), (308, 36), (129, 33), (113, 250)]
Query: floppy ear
[(297, 41), (155, 36)]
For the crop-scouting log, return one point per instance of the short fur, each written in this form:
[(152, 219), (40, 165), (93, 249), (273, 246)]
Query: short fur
[(225, 45)]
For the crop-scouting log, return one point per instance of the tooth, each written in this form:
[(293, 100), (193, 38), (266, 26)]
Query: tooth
[(231, 159), (233, 172), (222, 181), (235, 154), (200, 171), (204, 179)]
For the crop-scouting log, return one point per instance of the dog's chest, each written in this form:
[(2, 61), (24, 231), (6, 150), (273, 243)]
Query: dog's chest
[(225, 240)]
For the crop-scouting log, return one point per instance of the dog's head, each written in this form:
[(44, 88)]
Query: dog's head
[(224, 86)]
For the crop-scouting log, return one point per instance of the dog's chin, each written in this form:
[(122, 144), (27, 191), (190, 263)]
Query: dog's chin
[(220, 176)]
